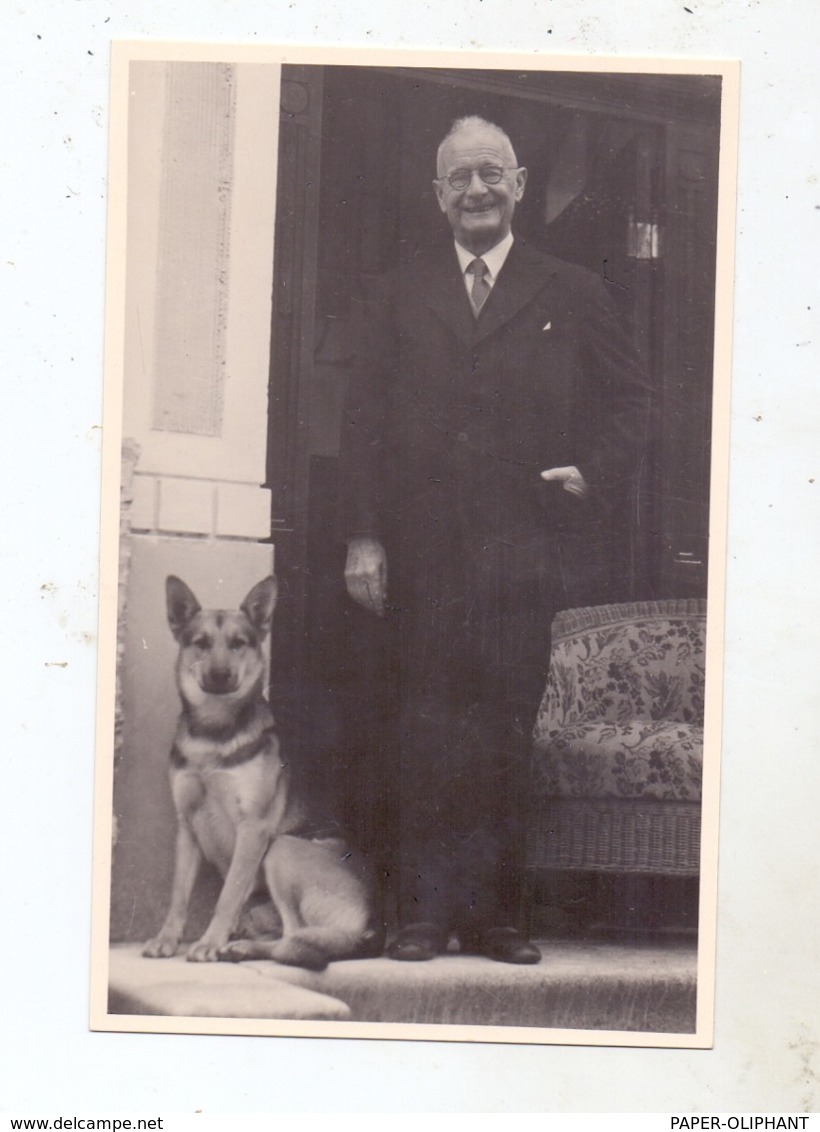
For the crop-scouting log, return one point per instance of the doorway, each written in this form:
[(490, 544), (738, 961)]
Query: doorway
[(621, 181)]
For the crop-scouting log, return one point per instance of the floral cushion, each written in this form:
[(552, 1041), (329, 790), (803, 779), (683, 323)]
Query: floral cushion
[(622, 714), (659, 760)]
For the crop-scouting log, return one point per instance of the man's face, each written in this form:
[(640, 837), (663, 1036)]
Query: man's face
[(479, 214)]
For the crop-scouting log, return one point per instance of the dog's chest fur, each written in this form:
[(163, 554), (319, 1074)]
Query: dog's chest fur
[(219, 781)]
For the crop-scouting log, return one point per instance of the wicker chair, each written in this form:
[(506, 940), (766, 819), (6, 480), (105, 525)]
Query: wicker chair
[(618, 750)]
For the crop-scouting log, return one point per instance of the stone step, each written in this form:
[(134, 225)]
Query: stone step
[(578, 985)]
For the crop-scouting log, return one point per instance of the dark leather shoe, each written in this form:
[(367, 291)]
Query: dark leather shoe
[(417, 943), (505, 945)]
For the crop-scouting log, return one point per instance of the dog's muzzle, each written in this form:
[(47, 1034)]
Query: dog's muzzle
[(218, 681)]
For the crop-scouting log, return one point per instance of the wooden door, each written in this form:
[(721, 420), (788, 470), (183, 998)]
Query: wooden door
[(292, 349), (687, 299)]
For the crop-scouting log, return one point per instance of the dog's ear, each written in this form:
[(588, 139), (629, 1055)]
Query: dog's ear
[(259, 605), (181, 603)]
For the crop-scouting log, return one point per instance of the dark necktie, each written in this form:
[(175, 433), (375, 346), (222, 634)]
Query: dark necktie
[(481, 288)]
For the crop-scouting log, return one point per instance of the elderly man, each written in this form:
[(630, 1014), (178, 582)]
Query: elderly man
[(494, 413)]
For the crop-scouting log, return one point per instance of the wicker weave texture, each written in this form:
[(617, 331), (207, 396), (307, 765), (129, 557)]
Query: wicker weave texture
[(617, 836), (570, 622)]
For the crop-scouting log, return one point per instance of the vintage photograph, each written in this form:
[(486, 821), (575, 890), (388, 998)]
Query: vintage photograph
[(417, 380)]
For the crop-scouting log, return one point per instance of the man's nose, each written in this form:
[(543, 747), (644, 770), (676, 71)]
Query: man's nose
[(476, 185)]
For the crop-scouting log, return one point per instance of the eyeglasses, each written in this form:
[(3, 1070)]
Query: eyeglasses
[(459, 179)]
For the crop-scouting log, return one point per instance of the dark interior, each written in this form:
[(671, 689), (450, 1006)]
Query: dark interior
[(622, 179)]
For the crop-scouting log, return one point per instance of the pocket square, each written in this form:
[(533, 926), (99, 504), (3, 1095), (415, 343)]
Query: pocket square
[(548, 326)]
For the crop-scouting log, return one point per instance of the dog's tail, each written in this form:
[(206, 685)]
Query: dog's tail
[(314, 947), (309, 947)]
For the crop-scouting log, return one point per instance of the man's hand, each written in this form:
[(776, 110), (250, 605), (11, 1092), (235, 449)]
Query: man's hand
[(366, 574), (570, 478)]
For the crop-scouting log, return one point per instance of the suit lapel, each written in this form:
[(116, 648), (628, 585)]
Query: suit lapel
[(446, 295), (523, 275)]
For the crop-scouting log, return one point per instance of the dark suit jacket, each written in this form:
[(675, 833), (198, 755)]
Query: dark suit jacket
[(451, 419), (449, 424)]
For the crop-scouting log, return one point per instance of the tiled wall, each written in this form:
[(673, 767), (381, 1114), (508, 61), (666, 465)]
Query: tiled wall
[(178, 505)]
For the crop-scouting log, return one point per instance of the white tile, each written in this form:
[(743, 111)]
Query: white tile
[(186, 506), (143, 511), (243, 511)]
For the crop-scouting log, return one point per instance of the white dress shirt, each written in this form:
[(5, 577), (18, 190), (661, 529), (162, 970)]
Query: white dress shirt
[(494, 259)]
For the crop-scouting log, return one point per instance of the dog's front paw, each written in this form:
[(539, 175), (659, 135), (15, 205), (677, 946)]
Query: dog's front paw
[(203, 952), (160, 947)]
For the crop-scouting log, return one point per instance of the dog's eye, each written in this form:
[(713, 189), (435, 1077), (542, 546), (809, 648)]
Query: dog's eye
[(238, 643), (201, 643)]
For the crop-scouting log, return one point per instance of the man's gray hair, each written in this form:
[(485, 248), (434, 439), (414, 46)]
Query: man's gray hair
[(474, 122)]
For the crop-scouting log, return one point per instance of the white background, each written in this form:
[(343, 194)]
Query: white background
[(53, 185)]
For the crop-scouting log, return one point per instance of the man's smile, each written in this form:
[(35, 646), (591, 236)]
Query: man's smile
[(479, 209)]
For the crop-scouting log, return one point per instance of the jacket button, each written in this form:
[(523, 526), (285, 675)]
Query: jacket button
[(462, 436)]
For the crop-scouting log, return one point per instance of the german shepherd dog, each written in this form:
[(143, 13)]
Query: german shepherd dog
[(237, 807)]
